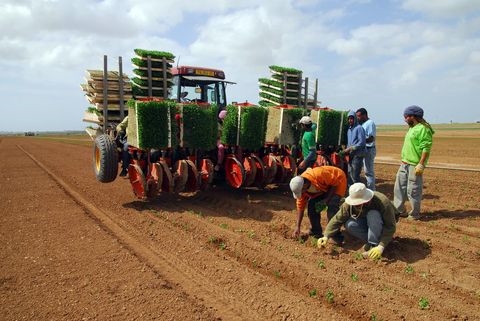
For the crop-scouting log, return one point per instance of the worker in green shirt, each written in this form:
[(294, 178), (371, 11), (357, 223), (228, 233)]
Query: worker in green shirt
[(309, 147), (415, 153)]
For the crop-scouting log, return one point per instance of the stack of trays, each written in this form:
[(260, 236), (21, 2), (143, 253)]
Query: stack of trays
[(332, 126), (283, 87), (160, 78), (245, 126), (93, 89)]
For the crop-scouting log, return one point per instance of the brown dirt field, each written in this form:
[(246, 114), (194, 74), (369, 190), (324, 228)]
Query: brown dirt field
[(76, 249)]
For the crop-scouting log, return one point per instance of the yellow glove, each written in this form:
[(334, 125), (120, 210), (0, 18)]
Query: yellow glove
[(419, 169), (322, 241), (375, 252)]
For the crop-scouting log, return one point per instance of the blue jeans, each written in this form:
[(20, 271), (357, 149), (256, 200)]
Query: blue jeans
[(367, 228), (314, 217), (369, 166), (408, 186), (355, 165)]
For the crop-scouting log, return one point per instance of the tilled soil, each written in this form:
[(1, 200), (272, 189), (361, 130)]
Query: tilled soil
[(76, 249)]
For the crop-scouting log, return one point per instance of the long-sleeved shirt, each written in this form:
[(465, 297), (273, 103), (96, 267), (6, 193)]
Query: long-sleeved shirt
[(322, 179), (122, 127), (380, 203), (418, 139), (356, 139)]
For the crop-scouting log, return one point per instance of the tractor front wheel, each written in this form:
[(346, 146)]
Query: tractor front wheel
[(105, 159)]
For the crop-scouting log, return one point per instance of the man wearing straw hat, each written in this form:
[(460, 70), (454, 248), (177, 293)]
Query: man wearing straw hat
[(367, 215)]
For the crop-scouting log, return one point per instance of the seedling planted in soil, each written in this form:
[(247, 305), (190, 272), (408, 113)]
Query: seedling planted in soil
[(409, 269), (330, 296), (423, 303)]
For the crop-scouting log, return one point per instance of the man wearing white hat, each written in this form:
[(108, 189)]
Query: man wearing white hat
[(367, 215), (326, 184)]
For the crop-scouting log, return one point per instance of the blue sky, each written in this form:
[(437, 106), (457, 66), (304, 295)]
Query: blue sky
[(381, 55)]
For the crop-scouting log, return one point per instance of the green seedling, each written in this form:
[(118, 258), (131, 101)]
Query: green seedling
[(222, 246), (354, 277), (224, 225), (251, 234), (321, 264), (330, 296), (423, 303), (312, 293), (358, 256), (277, 274), (409, 269), (374, 317)]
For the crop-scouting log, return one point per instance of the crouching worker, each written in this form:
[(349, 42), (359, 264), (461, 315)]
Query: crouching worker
[(367, 215), (324, 184), (122, 138)]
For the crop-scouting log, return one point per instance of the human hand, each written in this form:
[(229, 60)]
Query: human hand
[(296, 233), (376, 252), (419, 169), (322, 242)]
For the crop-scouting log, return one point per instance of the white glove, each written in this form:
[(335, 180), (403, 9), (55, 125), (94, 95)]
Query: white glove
[(322, 241)]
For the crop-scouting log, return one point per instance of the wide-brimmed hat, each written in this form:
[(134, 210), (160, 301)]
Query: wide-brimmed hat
[(358, 194), (305, 120), (296, 185)]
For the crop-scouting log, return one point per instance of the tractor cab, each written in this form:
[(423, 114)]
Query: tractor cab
[(199, 85)]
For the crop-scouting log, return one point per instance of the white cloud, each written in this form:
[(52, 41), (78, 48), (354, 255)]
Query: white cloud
[(443, 8), (421, 58)]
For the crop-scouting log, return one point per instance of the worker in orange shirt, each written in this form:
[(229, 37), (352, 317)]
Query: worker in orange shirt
[(325, 185)]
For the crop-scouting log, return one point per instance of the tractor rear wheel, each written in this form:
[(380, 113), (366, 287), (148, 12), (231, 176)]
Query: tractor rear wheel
[(105, 159)]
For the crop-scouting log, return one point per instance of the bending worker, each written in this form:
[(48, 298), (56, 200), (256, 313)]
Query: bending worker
[(324, 184), (367, 215)]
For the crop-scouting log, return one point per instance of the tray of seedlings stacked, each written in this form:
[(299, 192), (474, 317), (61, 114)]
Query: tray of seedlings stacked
[(93, 88), (331, 127), (282, 125), (152, 124), (243, 132), (283, 87), (158, 78)]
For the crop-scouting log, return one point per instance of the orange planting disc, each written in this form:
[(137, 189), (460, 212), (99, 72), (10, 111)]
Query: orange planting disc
[(167, 181), (180, 176), (234, 172), (260, 172), (192, 177), (250, 171), (270, 168), (137, 180)]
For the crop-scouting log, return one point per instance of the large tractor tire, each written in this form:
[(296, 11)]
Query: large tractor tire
[(105, 159)]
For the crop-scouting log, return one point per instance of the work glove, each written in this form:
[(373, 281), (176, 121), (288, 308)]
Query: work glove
[(419, 169), (322, 242), (376, 252)]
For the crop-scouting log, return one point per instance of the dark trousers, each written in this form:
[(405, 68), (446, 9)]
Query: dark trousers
[(314, 209)]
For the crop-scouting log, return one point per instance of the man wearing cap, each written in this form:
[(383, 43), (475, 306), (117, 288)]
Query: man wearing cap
[(370, 151), (368, 216), (356, 143), (326, 184), (309, 148), (415, 153)]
